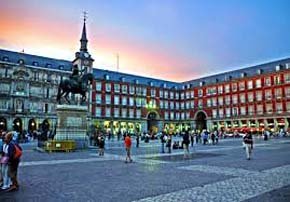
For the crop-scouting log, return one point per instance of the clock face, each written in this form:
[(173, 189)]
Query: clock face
[(86, 55)]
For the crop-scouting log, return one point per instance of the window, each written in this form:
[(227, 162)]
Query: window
[(258, 83), (220, 89), (166, 104), (243, 110), (287, 78), (214, 113), (268, 81), (191, 94), (234, 87), (108, 87), (108, 112), (177, 116), (200, 103), (200, 92), (209, 102), (182, 105), (241, 85), (161, 93), (171, 105), (132, 89), (269, 109), (251, 110), (187, 95), (98, 86), (98, 98), (221, 100), (187, 115), (139, 90), (259, 96), (153, 92), (221, 113), (214, 101), (279, 108), (227, 88), (138, 113), (277, 80), (171, 115), (182, 95), (288, 106), (144, 91), (242, 98), (228, 112), (250, 97), (161, 103), (139, 102), (278, 93), (116, 112), (124, 113), (98, 111), (177, 95), (108, 99), (165, 94), (124, 89), (131, 113), (260, 109), (171, 95), (182, 116), (117, 87), (235, 99), (228, 100), (250, 84), (116, 100), (165, 115), (287, 91), (131, 101), (268, 94), (124, 100), (235, 111)]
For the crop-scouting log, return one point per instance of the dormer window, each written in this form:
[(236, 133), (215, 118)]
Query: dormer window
[(243, 74), (35, 63), (61, 67), (123, 79), (48, 65), (136, 81), (151, 83), (201, 83), (216, 80), (278, 68), (21, 61), (259, 71), (6, 59), (107, 77), (164, 85)]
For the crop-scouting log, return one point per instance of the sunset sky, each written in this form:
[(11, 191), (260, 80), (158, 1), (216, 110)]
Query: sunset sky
[(174, 40)]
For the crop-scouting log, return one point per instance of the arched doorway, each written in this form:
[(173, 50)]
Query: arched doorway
[(31, 125), (17, 125), (3, 124), (152, 122), (200, 121)]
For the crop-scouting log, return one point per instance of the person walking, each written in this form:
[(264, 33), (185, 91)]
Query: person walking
[(128, 144), (6, 153), (101, 145), (163, 141), (168, 143), (248, 141), (192, 139), (185, 145), (137, 139)]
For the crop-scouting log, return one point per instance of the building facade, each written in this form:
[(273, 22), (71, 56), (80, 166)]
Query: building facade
[(253, 98)]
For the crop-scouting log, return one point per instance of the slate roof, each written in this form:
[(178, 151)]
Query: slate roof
[(28, 59), (100, 74)]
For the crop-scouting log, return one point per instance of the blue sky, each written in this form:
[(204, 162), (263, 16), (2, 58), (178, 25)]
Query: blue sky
[(170, 39)]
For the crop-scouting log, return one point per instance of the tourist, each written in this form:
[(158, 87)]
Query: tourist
[(101, 140), (248, 142), (128, 144), (185, 144), (168, 143), (5, 160)]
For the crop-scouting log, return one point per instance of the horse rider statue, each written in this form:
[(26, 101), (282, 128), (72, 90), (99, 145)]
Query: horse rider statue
[(75, 77)]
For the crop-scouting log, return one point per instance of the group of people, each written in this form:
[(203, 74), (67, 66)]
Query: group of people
[(10, 158)]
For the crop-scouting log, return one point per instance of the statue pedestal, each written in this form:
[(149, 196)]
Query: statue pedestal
[(72, 124)]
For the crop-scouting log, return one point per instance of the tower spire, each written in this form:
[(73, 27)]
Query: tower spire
[(84, 39)]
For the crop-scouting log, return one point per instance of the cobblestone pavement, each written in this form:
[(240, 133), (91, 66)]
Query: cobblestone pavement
[(212, 173)]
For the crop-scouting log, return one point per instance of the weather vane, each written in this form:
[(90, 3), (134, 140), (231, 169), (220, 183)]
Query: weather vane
[(85, 16)]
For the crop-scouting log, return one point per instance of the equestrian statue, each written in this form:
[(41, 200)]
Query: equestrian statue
[(76, 84)]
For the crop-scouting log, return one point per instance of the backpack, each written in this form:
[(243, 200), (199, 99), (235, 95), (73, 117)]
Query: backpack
[(18, 151)]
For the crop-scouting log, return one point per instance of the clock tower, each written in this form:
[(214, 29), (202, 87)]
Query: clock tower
[(83, 59)]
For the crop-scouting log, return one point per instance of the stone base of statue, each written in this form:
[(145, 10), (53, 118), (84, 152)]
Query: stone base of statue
[(72, 125)]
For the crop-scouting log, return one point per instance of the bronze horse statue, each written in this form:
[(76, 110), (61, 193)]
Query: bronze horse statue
[(67, 86)]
